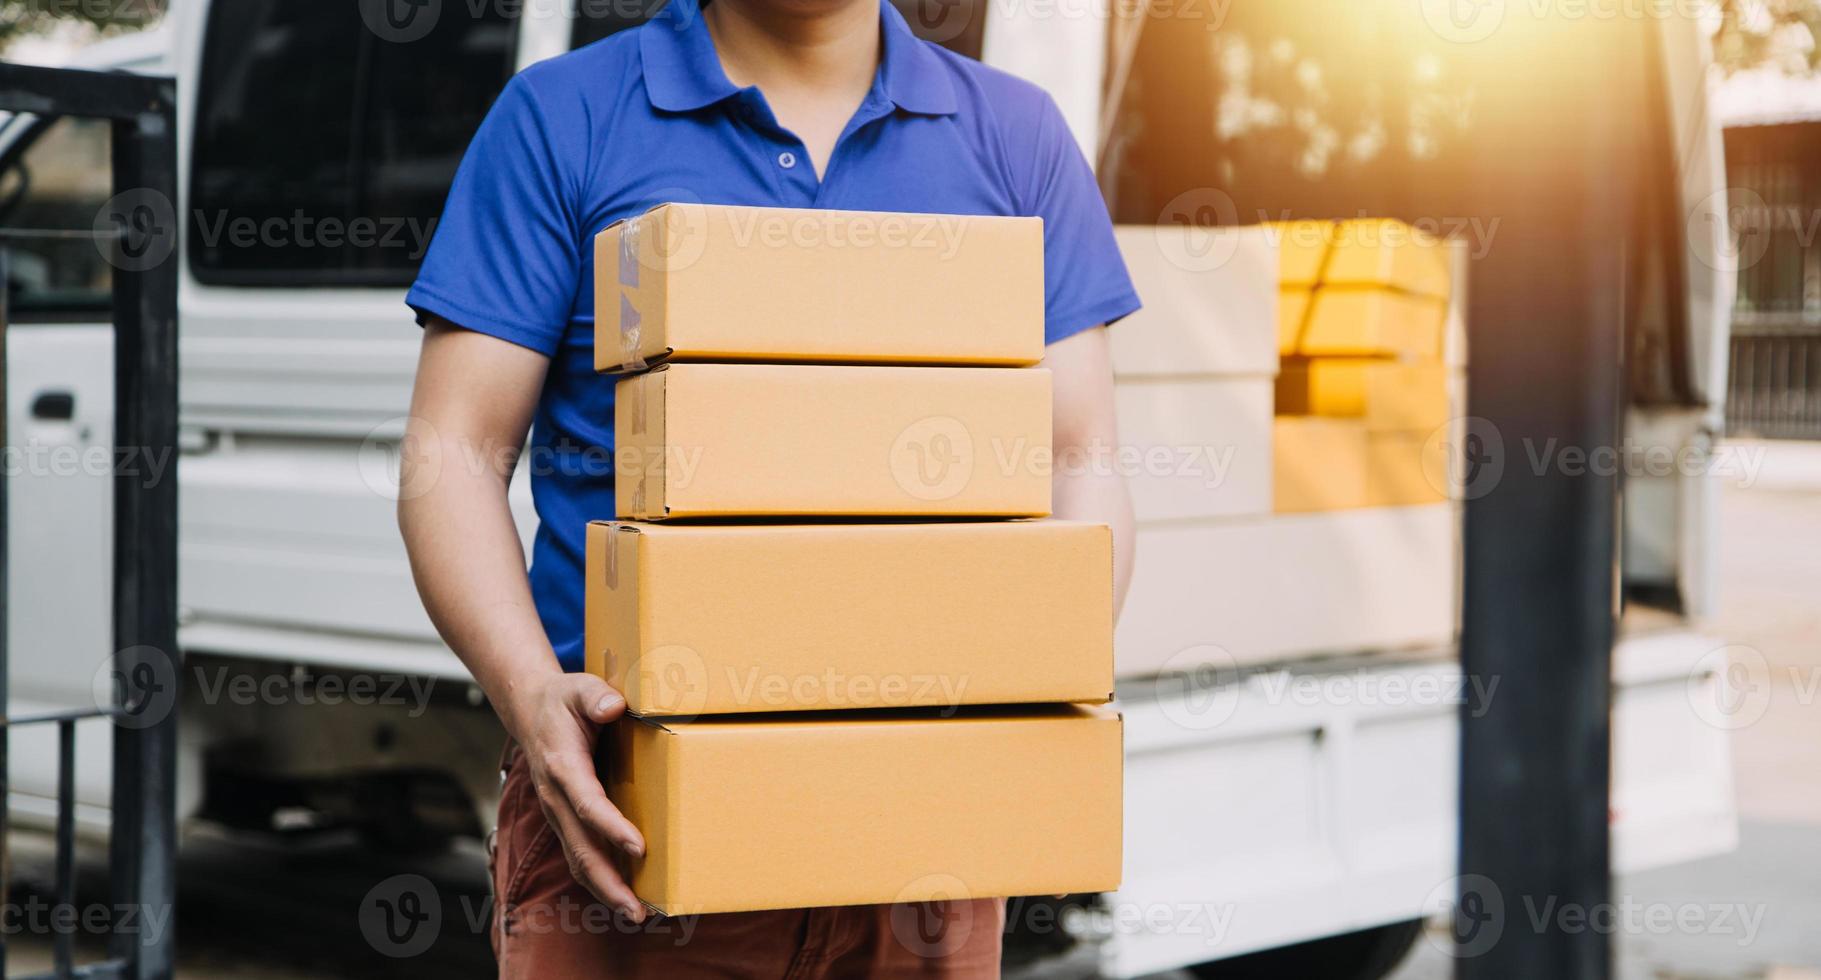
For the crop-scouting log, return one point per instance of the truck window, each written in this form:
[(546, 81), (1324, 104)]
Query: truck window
[(958, 25), (53, 183), (304, 175)]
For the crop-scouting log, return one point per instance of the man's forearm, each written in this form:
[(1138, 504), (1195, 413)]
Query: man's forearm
[(469, 414), (470, 571), (1085, 429), (1101, 498)]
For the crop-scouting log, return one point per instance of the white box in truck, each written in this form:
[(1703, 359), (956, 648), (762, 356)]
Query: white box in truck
[(1284, 586)]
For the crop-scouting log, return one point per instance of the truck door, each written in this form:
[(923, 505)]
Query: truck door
[(54, 179)]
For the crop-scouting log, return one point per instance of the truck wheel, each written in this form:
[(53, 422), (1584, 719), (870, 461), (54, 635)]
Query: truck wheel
[(1365, 955)]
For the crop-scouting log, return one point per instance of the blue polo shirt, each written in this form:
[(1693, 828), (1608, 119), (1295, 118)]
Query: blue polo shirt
[(647, 116)]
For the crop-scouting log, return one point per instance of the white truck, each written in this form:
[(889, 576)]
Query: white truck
[(1268, 833)]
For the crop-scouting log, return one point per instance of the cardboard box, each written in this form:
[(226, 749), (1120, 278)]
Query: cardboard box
[(1389, 395), (753, 440), (690, 282), (715, 618), (1368, 321), (1198, 447), (1317, 464), (1292, 314), (1389, 253), (748, 812), (1268, 589), (1303, 248), (1210, 301)]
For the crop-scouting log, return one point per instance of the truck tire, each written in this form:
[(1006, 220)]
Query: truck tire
[(1368, 954)]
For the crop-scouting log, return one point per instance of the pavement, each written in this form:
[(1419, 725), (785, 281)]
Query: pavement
[(291, 910), (1769, 601)]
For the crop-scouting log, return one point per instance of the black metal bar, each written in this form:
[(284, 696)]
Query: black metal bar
[(63, 954), (144, 841), (91, 94), (53, 717), (1547, 304), (6, 777)]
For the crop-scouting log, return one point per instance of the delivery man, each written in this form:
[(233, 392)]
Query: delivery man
[(788, 103)]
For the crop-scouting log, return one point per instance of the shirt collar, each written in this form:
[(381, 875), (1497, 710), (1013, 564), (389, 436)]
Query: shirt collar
[(683, 74), (911, 70)]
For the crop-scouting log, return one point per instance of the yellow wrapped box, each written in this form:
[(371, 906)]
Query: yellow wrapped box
[(1302, 249), (1387, 253), (1373, 321), (1292, 310), (1321, 464), (1389, 395)]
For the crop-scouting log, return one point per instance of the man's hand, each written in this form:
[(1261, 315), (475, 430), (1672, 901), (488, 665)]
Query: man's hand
[(558, 728), (469, 414)]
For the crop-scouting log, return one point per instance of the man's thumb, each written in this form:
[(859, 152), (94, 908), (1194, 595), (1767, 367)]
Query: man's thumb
[(595, 700)]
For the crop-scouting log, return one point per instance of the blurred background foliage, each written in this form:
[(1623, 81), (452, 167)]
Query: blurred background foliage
[(1768, 34), (91, 18)]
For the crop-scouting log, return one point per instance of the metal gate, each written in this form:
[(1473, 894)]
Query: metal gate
[(1774, 389), (1774, 381), (142, 839)]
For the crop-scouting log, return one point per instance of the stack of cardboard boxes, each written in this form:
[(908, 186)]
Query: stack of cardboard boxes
[(1365, 395), (857, 669), (1228, 575)]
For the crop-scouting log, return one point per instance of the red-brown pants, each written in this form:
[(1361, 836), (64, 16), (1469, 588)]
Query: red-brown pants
[(548, 927)]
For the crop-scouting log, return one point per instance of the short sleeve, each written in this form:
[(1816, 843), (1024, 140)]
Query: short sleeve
[(1084, 277), (505, 259)]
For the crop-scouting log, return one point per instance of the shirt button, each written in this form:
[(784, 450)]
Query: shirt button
[(787, 159)]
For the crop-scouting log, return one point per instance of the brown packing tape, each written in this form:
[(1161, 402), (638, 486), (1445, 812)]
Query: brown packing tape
[(1302, 323), (613, 564), (1321, 273), (635, 412), (629, 279)]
